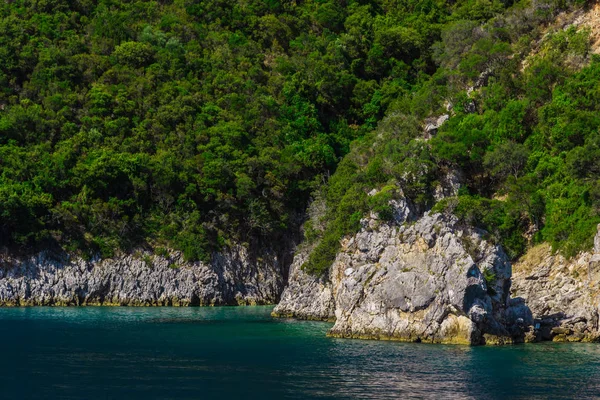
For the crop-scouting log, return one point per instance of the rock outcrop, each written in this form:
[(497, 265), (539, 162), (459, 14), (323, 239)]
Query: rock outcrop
[(432, 280), (563, 295), (307, 296), (450, 183), (435, 280), (232, 277), (432, 124)]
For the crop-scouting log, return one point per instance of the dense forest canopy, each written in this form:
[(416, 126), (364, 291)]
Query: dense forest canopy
[(523, 135), (193, 124)]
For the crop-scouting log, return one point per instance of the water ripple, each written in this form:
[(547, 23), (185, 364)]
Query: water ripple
[(229, 353)]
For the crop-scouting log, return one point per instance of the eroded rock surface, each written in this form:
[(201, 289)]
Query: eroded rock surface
[(449, 185), (422, 282), (563, 295), (432, 124), (233, 277), (431, 280), (306, 296)]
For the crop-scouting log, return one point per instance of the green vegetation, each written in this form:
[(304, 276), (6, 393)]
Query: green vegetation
[(193, 125), (525, 139), (189, 124), (537, 145), (490, 281)]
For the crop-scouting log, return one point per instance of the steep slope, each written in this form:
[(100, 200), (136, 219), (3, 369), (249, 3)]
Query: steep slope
[(191, 124)]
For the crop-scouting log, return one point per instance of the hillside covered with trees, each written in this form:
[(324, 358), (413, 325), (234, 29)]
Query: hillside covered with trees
[(195, 124)]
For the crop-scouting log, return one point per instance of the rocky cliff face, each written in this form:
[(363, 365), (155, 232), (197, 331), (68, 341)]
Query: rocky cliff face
[(431, 280), (563, 295), (233, 277), (306, 296)]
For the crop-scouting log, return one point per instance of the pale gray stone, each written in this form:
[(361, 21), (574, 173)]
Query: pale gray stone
[(562, 295), (306, 296), (233, 276), (414, 281), (432, 125), (450, 183)]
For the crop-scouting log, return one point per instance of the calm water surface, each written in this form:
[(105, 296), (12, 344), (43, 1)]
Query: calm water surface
[(240, 352)]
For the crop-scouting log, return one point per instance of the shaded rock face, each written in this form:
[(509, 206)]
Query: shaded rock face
[(432, 124), (563, 295), (597, 242), (450, 183), (306, 296), (421, 281), (232, 277)]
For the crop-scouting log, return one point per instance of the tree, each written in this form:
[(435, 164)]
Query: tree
[(507, 159)]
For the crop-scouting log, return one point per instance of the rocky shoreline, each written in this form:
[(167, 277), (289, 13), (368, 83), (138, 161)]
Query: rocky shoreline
[(432, 280), (418, 279), (563, 295), (233, 277)]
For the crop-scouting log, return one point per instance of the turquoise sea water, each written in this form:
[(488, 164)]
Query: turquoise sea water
[(241, 352)]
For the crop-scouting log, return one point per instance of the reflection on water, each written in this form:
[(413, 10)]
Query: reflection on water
[(383, 370), (205, 353)]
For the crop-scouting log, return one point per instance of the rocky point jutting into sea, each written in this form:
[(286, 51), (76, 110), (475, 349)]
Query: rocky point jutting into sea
[(435, 280), (428, 279)]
